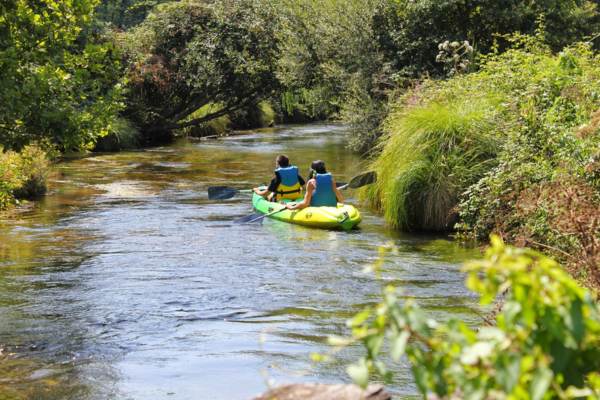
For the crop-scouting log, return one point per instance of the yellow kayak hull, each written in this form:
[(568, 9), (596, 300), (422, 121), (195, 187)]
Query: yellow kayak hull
[(343, 217)]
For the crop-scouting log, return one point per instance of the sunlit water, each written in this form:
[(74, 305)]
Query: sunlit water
[(127, 282)]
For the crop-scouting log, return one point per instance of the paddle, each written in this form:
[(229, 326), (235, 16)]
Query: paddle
[(225, 192), (356, 182), (360, 180), (257, 217)]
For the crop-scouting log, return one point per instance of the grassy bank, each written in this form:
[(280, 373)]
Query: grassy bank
[(23, 175), (511, 149)]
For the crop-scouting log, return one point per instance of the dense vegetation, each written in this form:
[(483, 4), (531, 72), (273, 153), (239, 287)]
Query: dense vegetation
[(479, 116), (188, 55), (544, 343), (55, 84), (512, 149)]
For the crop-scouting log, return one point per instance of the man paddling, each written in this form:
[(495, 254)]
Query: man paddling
[(287, 183)]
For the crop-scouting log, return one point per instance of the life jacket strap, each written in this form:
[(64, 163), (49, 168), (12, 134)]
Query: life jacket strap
[(289, 191)]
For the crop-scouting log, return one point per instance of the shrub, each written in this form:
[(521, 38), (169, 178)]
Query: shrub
[(547, 172), (433, 150), (545, 342), (23, 175), (122, 135), (481, 138)]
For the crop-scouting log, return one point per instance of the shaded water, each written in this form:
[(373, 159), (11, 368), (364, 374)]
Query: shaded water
[(127, 282)]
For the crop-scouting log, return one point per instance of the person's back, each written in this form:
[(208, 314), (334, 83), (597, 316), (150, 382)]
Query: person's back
[(287, 183), (321, 190), (323, 194)]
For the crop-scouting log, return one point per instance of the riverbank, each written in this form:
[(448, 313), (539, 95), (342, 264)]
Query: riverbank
[(511, 149)]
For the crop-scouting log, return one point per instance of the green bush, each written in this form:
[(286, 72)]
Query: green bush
[(192, 54), (478, 138), (56, 83), (433, 151), (545, 342), (544, 190), (23, 175), (122, 135)]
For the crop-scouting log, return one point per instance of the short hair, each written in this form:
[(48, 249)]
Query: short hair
[(318, 166), (283, 161)]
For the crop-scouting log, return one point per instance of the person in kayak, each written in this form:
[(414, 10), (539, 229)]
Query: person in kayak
[(321, 190), (286, 184)]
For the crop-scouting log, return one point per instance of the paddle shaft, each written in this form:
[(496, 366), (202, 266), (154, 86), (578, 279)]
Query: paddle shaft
[(267, 215)]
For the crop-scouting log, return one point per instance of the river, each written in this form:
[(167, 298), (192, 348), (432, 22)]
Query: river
[(126, 282)]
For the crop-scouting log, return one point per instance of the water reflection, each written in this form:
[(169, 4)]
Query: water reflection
[(127, 282)]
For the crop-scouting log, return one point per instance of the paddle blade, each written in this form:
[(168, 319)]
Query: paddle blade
[(221, 192), (256, 218), (363, 180)]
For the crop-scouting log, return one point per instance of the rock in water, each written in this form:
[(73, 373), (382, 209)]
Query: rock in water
[(316, 391)]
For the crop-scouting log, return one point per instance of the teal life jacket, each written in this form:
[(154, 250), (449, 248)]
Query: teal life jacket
[(289, 187), (323, 195)]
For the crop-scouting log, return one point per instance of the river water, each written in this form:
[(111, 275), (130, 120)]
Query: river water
[(127, 282)]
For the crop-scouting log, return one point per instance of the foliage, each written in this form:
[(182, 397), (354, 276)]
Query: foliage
[(54, 84), (478, 139), (434, 149), (545, 181), (322, 44), (22, 175), (331, 66), (254, 116), (545, 342), (123, 14), (197, 53), (409, 32), (123, 135), (347, 59)]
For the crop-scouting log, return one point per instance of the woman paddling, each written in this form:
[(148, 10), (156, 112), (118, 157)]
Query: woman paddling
[(321, 190)]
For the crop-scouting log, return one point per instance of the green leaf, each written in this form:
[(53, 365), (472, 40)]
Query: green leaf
[(576, 320), (540, 383), (373, 344), (338, 341), (359, 318), (359, 372), (399, 345), (472, 354)]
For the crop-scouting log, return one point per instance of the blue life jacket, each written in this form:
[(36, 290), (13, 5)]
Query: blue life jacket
[(289, 187), (323, 195)]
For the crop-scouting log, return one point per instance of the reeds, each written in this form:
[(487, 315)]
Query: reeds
[(433, 151)]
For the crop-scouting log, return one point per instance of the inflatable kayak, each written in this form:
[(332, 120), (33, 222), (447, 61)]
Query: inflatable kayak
[(344, 216)]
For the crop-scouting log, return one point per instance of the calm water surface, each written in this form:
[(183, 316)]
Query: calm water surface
[(127, 282)]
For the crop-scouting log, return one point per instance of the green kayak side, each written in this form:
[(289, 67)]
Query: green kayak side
[(344, 216)]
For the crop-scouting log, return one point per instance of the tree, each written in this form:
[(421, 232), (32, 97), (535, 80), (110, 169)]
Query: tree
[(54, 84), (409, 32), (196, 54)]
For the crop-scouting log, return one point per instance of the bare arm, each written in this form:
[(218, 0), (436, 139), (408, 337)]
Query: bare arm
[(338, 192), (259, 192), (310, 188)]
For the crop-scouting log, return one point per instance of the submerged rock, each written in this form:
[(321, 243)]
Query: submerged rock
[(316, 391)]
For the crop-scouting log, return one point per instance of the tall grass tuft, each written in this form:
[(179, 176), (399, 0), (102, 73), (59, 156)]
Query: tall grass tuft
[(432, 152)]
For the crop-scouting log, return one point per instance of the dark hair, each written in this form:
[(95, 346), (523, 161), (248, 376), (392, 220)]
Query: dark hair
[(318, 167), (283, 161)]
